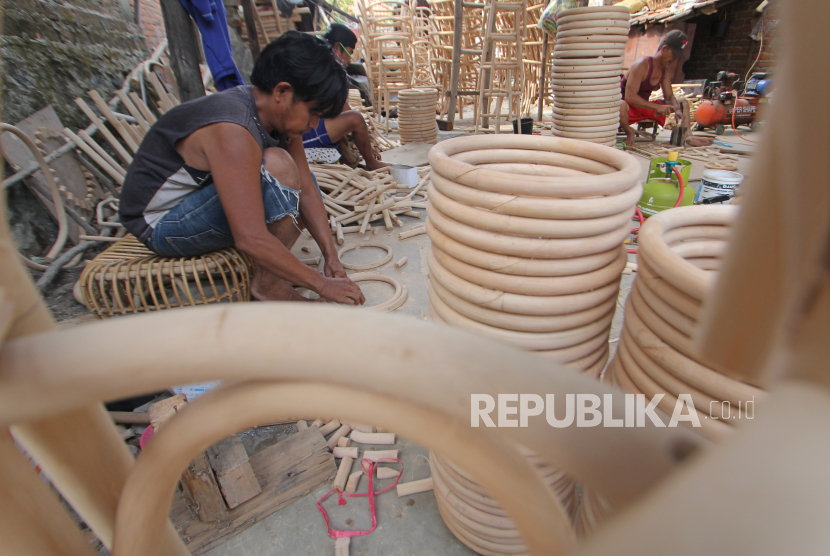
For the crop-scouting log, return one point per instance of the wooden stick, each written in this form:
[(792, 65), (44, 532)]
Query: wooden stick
[(329, 427), (344, 442), (354, 481), (362, 428), (301, 426), (341, 546), (401, 262), (387, 473), (341, 452), (340, 433), (339, 233), (373, 438), (414, 487), (317, 423), (115, 143), (375, 455), (343, 473), (413, 232), (130, 417)]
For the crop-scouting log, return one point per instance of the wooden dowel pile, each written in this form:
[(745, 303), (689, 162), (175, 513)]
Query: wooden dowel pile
[(354, 198)]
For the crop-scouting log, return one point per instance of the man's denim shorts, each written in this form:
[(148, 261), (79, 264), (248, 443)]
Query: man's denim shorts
[(198, 225)]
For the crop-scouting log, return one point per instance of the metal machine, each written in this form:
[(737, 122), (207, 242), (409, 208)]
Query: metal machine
[(725, 105)]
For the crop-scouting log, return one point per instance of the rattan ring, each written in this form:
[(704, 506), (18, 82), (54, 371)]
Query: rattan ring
[(368, 266)]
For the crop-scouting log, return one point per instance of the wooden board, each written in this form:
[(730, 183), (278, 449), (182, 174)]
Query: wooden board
[(411, 154), (233, 471), (286, 471), (67, 167)]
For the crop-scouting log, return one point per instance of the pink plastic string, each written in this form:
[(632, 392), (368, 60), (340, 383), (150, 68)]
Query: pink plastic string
[(341, 499)]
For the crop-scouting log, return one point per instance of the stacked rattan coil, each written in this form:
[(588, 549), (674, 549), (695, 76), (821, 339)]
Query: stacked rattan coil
[(527, 241), (476, 519), (680, 251), (587, 65), (416, 115)]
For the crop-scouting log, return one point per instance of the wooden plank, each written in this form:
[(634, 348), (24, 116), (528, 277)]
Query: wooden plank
[(67, 167), (162, 411), (201, 491), (456, 61), (184, 51), (286, 472), (233, 472)]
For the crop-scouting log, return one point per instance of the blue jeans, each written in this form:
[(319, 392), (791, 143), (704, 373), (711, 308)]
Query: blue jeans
[(198, 225)]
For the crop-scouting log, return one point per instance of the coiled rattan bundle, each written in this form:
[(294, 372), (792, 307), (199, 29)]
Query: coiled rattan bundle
[(527, 236), (680, 251), (476, 519), (416, 115), (587, 65)]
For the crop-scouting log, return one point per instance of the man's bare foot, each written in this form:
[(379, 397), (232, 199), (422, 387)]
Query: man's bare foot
[(629, 138), (376, 164), (267, 287), (693, 141)]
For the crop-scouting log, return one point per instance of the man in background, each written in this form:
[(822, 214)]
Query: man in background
[(321, 143)]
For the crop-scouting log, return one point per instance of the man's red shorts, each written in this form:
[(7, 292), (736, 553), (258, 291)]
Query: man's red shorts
[(639, 114)]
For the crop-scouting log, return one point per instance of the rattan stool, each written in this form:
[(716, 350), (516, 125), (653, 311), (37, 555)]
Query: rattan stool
[(129, 278)]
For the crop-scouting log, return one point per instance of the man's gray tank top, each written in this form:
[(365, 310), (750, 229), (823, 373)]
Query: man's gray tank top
[(158, 179)]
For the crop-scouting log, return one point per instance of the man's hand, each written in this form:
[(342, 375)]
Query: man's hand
[(376, 153), (664, 109), (334, 268), (342, 290)]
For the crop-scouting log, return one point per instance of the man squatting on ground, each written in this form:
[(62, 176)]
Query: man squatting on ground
[(648, 74), (329, 132), (230, 170)]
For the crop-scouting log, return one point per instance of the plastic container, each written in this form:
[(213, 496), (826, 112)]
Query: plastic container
[(527, 126), (660, 192), (405, 175), (717, 183)]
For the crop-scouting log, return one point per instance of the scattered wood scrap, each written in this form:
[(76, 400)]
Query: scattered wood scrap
[(286, 471)]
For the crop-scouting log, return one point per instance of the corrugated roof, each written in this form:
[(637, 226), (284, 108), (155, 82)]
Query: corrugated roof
[(677, 11)]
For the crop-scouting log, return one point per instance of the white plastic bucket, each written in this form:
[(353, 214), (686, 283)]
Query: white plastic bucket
[(405, 175), (718, 182)]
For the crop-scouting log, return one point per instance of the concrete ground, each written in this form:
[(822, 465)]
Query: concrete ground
[(411, 525)]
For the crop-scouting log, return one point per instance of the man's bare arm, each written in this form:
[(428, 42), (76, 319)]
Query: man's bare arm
[(314, 214), (234, 159)]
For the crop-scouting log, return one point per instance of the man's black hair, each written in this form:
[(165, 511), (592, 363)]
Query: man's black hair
[(340, 34), (309, 66)]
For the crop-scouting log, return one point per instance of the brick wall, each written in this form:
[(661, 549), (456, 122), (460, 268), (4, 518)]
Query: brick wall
[(54, 52), (150, 22), (736, 51)]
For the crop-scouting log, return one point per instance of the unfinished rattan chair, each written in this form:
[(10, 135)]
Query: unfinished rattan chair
[(129, 278)]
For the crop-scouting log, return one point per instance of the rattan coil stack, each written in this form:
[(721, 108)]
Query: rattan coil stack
[(416, 115), (587, 65), (476, 519), (527, 241), (680, 251)]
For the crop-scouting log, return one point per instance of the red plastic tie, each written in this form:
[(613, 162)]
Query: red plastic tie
[(341, 499)]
